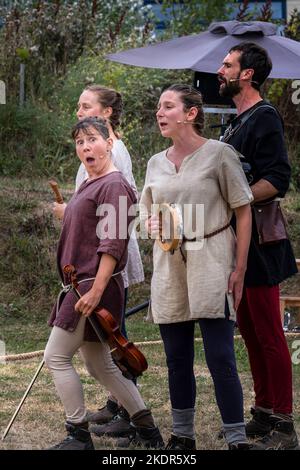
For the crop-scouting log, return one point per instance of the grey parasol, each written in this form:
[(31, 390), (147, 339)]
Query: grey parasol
[(205, 51)]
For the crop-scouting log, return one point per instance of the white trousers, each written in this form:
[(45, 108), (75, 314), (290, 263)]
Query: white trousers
[(59, 352)]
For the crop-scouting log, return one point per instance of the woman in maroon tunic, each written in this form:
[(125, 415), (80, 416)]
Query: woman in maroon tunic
[(99, 256)]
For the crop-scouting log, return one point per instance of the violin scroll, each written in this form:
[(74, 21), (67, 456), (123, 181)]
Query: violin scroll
[(70, 272)]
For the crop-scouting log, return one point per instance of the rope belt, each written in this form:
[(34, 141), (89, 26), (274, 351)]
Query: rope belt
[(68, 287)]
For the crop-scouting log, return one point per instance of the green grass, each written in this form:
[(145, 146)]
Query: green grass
[(40, 422)]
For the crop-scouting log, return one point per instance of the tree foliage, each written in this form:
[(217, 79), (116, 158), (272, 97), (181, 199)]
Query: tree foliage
[(48, 36), (63, 44), (193, 16)]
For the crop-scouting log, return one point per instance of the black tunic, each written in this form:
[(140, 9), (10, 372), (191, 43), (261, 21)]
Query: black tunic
[(261, 141)]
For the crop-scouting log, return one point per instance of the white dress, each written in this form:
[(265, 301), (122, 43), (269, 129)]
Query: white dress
[(133, 272)]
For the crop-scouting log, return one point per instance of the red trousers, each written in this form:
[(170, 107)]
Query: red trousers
[(260, 325)]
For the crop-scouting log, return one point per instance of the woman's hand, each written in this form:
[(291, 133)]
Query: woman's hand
[(152, 225), (88, 302), (235, 286), (59, 210)]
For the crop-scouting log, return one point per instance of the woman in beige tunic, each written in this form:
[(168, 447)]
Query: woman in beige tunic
[(201, 283)]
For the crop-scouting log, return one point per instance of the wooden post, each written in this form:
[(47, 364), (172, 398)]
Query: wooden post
[(2, 92), (22, 85), (292, 301)]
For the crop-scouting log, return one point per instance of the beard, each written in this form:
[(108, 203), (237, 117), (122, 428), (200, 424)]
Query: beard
[(230, 89)]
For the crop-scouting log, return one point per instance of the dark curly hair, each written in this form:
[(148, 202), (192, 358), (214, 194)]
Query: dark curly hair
[(85, 124), (254, 57)]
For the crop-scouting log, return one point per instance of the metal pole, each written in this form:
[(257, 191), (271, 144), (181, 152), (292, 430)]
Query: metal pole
[(23, 399), (137, 308)]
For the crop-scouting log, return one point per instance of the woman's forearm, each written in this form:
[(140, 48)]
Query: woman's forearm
[(243, 235), (106, 268), (89, 301)]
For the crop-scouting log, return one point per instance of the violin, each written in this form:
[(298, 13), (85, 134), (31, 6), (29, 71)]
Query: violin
[(125, 354)]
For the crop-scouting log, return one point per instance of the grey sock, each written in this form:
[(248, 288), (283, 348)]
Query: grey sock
[(183, 422), (235, 432)]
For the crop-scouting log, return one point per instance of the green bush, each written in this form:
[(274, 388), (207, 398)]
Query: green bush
[(33, 141), (36, 139), (48, 36)]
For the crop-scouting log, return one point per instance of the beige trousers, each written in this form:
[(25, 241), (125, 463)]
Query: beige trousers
[(60, 349)]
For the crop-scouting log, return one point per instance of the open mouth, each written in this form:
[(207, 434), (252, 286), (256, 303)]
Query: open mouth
[(90, 159), (162, 125)]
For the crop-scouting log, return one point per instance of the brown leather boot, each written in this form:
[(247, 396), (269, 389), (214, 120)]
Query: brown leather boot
[(78, 438), (144, 433), (181, 443), (283, 436), (260, 425), (119, 426), (105, 414)]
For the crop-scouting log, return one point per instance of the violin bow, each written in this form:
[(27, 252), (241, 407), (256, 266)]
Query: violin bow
[(23, 399)]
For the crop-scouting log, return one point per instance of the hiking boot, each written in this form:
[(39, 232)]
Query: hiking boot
[(78, 438), (283, 436), (241, 446), (149, 438), (105, 414), (119, 426), (260, 425), (180, 443)]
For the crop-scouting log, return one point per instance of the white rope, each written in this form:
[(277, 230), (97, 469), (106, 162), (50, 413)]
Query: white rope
[(30, 355)]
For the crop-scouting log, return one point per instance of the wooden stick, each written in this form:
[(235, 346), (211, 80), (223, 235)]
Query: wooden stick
[(23, 399), (55, 189)]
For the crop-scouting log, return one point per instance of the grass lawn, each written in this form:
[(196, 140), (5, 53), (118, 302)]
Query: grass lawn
[(40, 421)]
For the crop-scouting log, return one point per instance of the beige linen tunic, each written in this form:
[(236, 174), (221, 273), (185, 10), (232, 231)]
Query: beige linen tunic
[(133, 272), (211, 176)]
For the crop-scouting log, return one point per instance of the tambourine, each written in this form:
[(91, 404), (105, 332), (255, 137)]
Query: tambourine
[(171, 223)]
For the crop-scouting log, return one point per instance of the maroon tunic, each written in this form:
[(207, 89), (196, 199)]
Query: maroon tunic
[(80, 245)]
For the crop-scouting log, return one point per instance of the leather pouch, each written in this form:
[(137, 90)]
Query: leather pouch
[(270, 223)]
